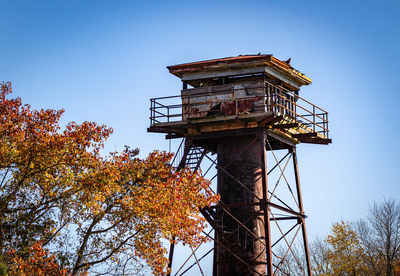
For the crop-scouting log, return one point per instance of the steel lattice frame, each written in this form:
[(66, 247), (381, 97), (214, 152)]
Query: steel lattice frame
[(279, 245)]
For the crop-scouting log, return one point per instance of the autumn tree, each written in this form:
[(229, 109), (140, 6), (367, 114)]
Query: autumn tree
[(340, 253), (90, 210), (380, 236), (397, 267), (345, 255), (370, 246), (320, 257), (40, 169)]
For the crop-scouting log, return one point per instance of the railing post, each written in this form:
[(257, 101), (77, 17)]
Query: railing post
[(189, 108), (313, 118), (268, 98), (277, 100), (236, 107), (326, 127), (151, 111), (267, 101)]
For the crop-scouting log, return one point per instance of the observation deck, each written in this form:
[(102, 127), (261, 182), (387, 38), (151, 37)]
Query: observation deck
[(244, 92)]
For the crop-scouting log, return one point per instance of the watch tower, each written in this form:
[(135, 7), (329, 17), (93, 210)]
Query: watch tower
[(247, 113)]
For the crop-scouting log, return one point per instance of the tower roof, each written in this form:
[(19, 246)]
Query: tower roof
[(242, 61)]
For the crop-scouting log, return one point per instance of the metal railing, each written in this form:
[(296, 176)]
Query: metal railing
[(165, 109), (287, 103), (277, 99), (178, 154)]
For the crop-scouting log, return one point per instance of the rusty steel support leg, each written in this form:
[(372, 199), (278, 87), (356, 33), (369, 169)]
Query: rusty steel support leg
[(267, 228), (300, 201)]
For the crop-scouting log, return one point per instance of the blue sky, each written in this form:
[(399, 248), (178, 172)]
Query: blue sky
[(103, 60)]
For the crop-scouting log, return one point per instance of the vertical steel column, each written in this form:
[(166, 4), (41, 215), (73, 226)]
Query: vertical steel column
[(245, 221), (300, 201), (265, 206)]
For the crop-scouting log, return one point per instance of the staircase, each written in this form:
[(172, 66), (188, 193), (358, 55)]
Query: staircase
[(191, 159), (194, 157)]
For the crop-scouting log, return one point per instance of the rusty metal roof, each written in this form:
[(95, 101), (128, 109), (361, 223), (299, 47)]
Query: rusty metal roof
[(250, 60)]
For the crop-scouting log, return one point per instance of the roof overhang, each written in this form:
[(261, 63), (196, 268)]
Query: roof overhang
[(240, 65)]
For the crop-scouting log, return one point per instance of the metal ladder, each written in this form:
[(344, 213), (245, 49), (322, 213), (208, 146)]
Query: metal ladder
[(192, 158)]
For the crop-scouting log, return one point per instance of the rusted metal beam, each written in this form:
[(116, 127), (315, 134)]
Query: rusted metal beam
[(197, 261), (315, 140), (159, 129), (192, 265), (287, 232), (285, 218), (303, 226), (174, 136), (210, 220), (262, 204), (285, 126), (302, 135), (286, 140), (221, 134), (273, 205)]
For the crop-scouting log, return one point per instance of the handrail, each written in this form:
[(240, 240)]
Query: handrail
[(277, 99), (178, 155), (311, 113), (297, 96)]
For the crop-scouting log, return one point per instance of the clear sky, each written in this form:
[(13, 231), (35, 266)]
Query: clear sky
[(103, 60)]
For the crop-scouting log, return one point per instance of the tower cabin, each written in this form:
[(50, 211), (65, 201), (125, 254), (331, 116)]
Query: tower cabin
[(236, 93)]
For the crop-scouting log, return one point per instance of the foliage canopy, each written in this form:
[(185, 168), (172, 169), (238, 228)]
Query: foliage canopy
[(90, 210)]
